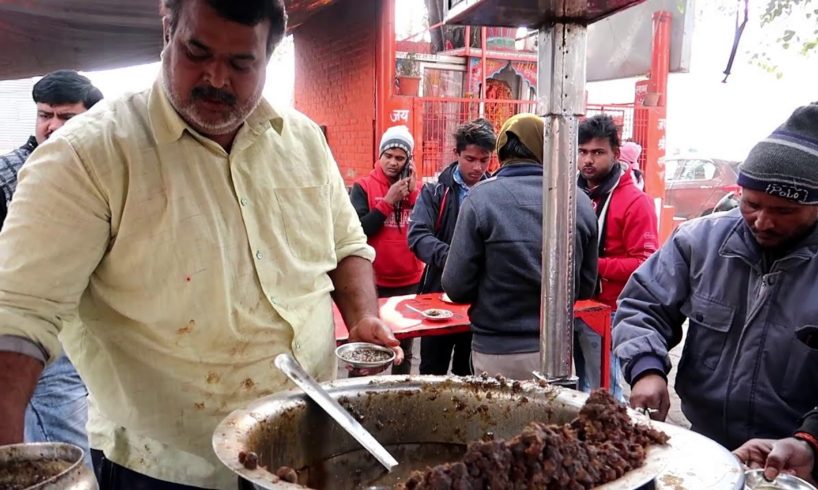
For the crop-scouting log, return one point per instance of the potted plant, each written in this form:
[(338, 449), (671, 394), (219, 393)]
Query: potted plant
[(408, 75)]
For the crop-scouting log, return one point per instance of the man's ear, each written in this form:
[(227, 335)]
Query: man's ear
[(166, 29)]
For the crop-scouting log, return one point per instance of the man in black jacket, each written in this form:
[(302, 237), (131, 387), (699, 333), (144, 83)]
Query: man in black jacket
[(431, 227), (495, 259)]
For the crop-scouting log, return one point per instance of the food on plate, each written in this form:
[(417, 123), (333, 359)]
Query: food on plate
[(365, 354), (597, 447), (437, 314), (19, 475)]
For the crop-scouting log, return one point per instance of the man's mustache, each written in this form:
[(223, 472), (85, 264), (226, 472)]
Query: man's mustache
[(211, 93)]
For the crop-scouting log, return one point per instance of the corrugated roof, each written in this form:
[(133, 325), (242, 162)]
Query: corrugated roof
[(38, 37)]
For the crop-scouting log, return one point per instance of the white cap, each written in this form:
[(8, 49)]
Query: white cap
[(397, 137)]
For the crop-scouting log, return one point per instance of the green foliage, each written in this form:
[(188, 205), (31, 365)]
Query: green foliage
[(408, 66), (804, 36)]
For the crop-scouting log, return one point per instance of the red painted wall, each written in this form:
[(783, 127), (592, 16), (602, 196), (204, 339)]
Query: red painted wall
[(335, 79)]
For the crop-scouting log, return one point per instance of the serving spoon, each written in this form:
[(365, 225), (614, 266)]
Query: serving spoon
[(293, 370)]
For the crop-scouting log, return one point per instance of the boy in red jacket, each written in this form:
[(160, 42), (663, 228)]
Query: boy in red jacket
[(383, 200), (628, 232)]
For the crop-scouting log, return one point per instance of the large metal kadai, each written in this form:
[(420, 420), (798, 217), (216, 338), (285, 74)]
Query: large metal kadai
[(427, 420), (45, 466)]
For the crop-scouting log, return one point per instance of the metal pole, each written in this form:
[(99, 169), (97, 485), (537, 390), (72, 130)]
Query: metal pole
[(561, 95)]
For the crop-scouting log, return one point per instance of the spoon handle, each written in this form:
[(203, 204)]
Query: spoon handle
[(290, 367), (416, 310)]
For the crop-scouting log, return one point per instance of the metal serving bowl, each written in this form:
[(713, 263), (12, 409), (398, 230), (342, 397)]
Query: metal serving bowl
[(426, 420), (344, 352), (754, 480), (61, 464)]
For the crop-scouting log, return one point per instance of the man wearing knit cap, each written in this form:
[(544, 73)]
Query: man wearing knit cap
[(745, 282), (495, 258), (383, 200)]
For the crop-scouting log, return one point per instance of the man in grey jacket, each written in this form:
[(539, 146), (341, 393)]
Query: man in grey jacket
[(746, 282), (495, 258)]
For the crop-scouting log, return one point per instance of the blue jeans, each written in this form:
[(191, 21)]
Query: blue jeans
[(58, 411), (588, 359)]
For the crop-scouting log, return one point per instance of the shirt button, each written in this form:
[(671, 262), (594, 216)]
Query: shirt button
[(243, 201), (297, 346), (259, 255)]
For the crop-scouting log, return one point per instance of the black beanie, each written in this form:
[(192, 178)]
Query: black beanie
[(786, 163)]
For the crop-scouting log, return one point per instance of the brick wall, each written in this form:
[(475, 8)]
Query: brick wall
[(335, 53)]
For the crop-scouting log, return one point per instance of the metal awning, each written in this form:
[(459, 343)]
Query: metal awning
[(42, 36), (531, 13)]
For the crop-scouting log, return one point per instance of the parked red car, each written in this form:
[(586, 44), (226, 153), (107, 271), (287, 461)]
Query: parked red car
[(693, 185)]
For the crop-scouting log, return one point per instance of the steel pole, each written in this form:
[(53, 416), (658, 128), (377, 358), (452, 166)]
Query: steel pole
[(561, 99)]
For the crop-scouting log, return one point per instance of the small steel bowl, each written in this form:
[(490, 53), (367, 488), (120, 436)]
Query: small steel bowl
[(343, 353), (754, 480)]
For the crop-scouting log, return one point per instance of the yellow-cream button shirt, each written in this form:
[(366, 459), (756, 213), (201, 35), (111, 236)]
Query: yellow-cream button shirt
[(176, 271)]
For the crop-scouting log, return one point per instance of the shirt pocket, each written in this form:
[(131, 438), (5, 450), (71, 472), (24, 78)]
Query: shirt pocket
[(709, 324), (800, 383), (308, 222)]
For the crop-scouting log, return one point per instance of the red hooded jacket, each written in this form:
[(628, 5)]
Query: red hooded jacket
[(395, 265), (631, 236)]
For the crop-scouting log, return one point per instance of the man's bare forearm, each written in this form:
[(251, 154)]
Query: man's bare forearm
[(355, 292), (18, 377)]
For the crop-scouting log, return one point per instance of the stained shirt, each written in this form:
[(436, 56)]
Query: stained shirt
[(175, 272)]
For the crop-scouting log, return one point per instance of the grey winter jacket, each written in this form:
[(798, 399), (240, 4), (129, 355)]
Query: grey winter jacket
[(749, 367), (495, 259)]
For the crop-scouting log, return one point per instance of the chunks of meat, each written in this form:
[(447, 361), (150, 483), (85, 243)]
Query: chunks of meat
[(597, 447)]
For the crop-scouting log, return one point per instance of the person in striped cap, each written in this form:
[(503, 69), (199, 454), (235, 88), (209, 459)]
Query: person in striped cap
[(744, 281)]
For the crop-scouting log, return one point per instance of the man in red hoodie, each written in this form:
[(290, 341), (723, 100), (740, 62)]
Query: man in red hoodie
[(383, 200), (628, 232)]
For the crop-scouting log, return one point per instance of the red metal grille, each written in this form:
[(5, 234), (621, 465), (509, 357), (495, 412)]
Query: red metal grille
[(628, 121), (442, 115)]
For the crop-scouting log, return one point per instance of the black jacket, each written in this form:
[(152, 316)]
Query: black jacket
[(495, 261), (431, 226)]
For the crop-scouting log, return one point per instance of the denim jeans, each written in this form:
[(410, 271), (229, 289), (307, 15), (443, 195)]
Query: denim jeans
[(588, 359), (58, 411)]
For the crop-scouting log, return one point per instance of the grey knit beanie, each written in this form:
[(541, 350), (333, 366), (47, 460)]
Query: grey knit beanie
[(397, 137), (786, 163)]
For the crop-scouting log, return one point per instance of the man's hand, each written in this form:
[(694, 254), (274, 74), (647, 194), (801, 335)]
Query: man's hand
[(788, 455), (651, 392), (373, 330), (18, 377), (398, 191)]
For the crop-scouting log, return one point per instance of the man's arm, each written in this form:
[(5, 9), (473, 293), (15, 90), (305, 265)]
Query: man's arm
[(466, 256), (57, 230), (649, 320), (422, 240), (357, 300), (18, 377), (353, 277), (372, 220), (355, 292), (641, 238)]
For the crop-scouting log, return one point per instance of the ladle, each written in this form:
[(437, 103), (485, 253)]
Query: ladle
[(293, 370)]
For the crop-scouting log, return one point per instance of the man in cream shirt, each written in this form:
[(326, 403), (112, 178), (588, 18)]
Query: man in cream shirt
[(177, 240)]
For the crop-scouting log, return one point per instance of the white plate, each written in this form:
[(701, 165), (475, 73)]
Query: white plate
[(437, 314)]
